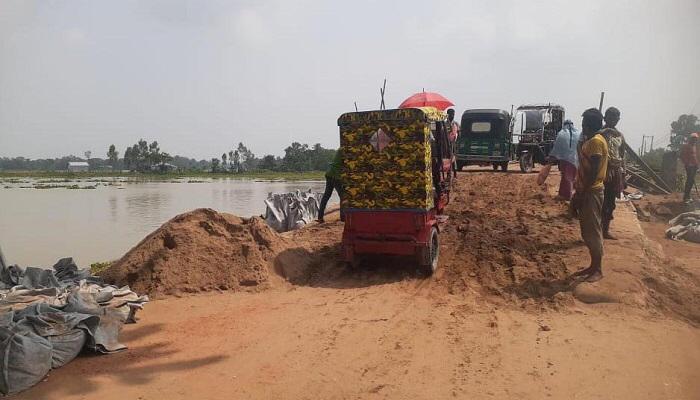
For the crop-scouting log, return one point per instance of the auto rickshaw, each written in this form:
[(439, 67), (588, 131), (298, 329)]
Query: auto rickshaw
[(536, 127), (397, 174), (485, 138)]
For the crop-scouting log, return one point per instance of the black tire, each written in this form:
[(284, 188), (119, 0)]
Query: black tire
[(526, 162), (504, 166), (495, 167), (460, 165), (354, 264), (432, 253)]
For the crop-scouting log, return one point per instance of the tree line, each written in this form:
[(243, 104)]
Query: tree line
[(148, 157)]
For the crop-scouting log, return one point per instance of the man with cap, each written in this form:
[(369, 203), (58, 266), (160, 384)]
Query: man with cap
[(614, 179), (689, 157), (587, 202)]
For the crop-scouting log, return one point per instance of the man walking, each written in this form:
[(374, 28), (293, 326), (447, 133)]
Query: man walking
[(614, 180), (333, 182), (588, 199), (689, 157)]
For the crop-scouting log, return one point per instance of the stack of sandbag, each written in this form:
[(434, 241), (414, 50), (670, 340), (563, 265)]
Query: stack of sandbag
[(48, 316), (289, 211), (685, 226)]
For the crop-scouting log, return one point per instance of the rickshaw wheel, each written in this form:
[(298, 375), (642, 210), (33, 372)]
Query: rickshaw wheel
[(495, 167), (504, 166), (433, 252), (354, 264), (526, 162)]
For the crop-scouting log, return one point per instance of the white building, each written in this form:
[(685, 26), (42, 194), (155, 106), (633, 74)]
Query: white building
[(78, 166)]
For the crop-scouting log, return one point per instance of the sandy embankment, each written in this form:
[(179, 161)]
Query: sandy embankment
[(498, 320)]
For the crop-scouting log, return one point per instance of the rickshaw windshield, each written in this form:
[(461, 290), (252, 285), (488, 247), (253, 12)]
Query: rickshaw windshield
[(532, 120)]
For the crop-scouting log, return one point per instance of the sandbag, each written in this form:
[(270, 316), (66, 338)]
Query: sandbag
[(65, 347), (25, 358)]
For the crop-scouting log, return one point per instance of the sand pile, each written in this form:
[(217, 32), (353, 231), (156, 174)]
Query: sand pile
[(198, 251)]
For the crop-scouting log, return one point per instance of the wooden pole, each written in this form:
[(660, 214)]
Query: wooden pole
[(600, 106), (382, 90), (356, 107)]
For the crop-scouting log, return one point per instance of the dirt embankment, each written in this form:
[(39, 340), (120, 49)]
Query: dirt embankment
[(507, 240), (504, 237), (199, 251)]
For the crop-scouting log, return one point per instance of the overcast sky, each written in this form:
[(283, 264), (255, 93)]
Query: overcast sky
[(200, 76)]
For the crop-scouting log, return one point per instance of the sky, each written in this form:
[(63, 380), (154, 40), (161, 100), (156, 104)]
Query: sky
[(200, 76)]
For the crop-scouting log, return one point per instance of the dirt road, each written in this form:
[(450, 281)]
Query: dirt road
[(498, 321)]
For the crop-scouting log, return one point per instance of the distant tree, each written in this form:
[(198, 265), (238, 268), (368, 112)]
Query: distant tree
[(113, 156), (681, 129), (267, 163), (230, 159), (87, 153), (223, 161), (153, 157), (295, 157), (164, 158), (236, 162), (654, 158), (215, 165)]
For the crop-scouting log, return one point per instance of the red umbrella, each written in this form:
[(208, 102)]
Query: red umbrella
[(427, 99)]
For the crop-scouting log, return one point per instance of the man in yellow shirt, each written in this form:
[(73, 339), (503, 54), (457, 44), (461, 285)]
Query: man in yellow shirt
[(588, 199)]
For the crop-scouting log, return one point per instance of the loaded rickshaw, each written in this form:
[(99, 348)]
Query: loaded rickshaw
[(396, 173), (536, 127)]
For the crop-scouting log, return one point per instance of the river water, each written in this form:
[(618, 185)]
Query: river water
[(39, 226)]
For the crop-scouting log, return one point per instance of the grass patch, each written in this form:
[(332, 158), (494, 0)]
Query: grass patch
[(97, 267)]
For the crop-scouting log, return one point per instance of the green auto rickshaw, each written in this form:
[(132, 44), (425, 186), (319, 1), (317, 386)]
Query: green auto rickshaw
[(485, 138)]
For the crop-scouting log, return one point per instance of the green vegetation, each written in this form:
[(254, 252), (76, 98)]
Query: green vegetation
[(147, 161), (98, 267), (681, 129), (14, 176)]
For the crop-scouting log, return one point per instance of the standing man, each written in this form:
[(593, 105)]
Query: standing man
[(689, 157), (587, 202), (564, 152), (453, 132), (614, 179), (333, 182)]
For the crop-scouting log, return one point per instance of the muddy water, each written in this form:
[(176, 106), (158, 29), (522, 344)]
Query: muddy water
[(39, 226)]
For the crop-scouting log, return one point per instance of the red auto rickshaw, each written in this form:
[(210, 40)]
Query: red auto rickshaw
[(397, 176)]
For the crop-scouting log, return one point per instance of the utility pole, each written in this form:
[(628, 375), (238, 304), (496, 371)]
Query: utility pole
[(356, 107), (644, 144), (600, 106)]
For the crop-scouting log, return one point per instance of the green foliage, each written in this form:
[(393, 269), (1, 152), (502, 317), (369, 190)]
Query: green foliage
[(681, 129), (113, 156), (654, 158), (268, 163), (299, 157), (215, 165), (98, 267), (145, 158)]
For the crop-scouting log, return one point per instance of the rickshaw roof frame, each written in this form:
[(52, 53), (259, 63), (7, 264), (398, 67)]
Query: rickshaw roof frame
[(486, 111), (541, 106), (427, 114)]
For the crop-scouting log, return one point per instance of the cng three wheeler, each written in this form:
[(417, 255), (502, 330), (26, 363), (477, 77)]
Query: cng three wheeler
[(397, 174), (485, 138), (536, 127)]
